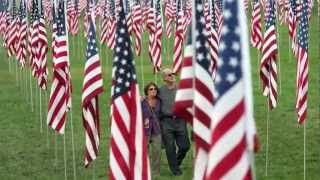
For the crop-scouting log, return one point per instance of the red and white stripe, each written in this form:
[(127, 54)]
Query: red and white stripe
[(302, 84), (12, 37), (92, 87), (156, 47), (178, 43), (136, 26), (43, 50), (104, 30), (256, 37), (22, 45), (111, 32), (34, 48), (268, 66)]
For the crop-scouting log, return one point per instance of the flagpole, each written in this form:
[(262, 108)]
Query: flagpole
[(31, 96), (142, 70), (47, 129), (65, 156), (15, 65), (304, 150), (40, 110), (267, 143), (9, 64), (73, 149), (279, 57), (25, 75)]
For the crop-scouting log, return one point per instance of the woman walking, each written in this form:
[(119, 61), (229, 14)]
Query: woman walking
[(150, 113)]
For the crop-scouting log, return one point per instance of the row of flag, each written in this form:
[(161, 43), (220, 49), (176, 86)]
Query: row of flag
[(210, 53)]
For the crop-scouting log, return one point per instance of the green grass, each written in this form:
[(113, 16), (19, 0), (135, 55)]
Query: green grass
[(25, 153)]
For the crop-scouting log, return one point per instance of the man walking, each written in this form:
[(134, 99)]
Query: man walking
[(174, 129)]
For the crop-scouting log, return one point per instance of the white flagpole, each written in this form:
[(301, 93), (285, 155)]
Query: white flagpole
[(40, 110), (65, 156), (31, 95), (279, 57), (9, 64), (267, 141), (47, 128), (304, 150)]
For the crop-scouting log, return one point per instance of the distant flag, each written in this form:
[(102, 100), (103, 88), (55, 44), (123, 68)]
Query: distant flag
[(104, 27), (156, 47), (111, 25), (256, 37), (229, 156), (60, 88), (13, 32), (302, 65), (22, 35), (136, 26), (92, 87), (129, 18), (42, 50), (169, 16), (213, 40), (178, 40), (293, 23), (35, 39), (268, 66), (128, 144)]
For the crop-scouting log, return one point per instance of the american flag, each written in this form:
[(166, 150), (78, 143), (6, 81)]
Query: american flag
[(293, 22), (136, 26), (34, 39), (43, 50), (256, 37), (203, 91), (302, 65), (213, 39), (268, 66), (184, 97), (156, 46), (3, 17), (74, 18), (111, 25), (229, 157), (60, 88), (151, 27), (129, 17), (169, 13), (92, 87), (22, 35), (13, 32), (128, 153), (178, 40), (104, 27)]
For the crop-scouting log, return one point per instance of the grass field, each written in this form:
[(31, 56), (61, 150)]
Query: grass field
[(26, 153)]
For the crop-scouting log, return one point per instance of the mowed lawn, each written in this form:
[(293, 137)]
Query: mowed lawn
[(27, 153)]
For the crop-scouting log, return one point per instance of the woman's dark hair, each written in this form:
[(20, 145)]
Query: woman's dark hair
[(146, 88)]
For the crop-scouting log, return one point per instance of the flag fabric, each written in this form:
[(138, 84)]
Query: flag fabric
[(229, 156), (35, 39), (213, 40), (178, 40), (156, 46), (256, 37), (3, 17), (129, 17), (268, 66), (128, 145), (136, 26), (169, 13), (183, 104), (22, 35), (104, 27), (302, 65), (92, 87), (203, 91), (60, 88), (13, 32), (42, 51), (111, 25)]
